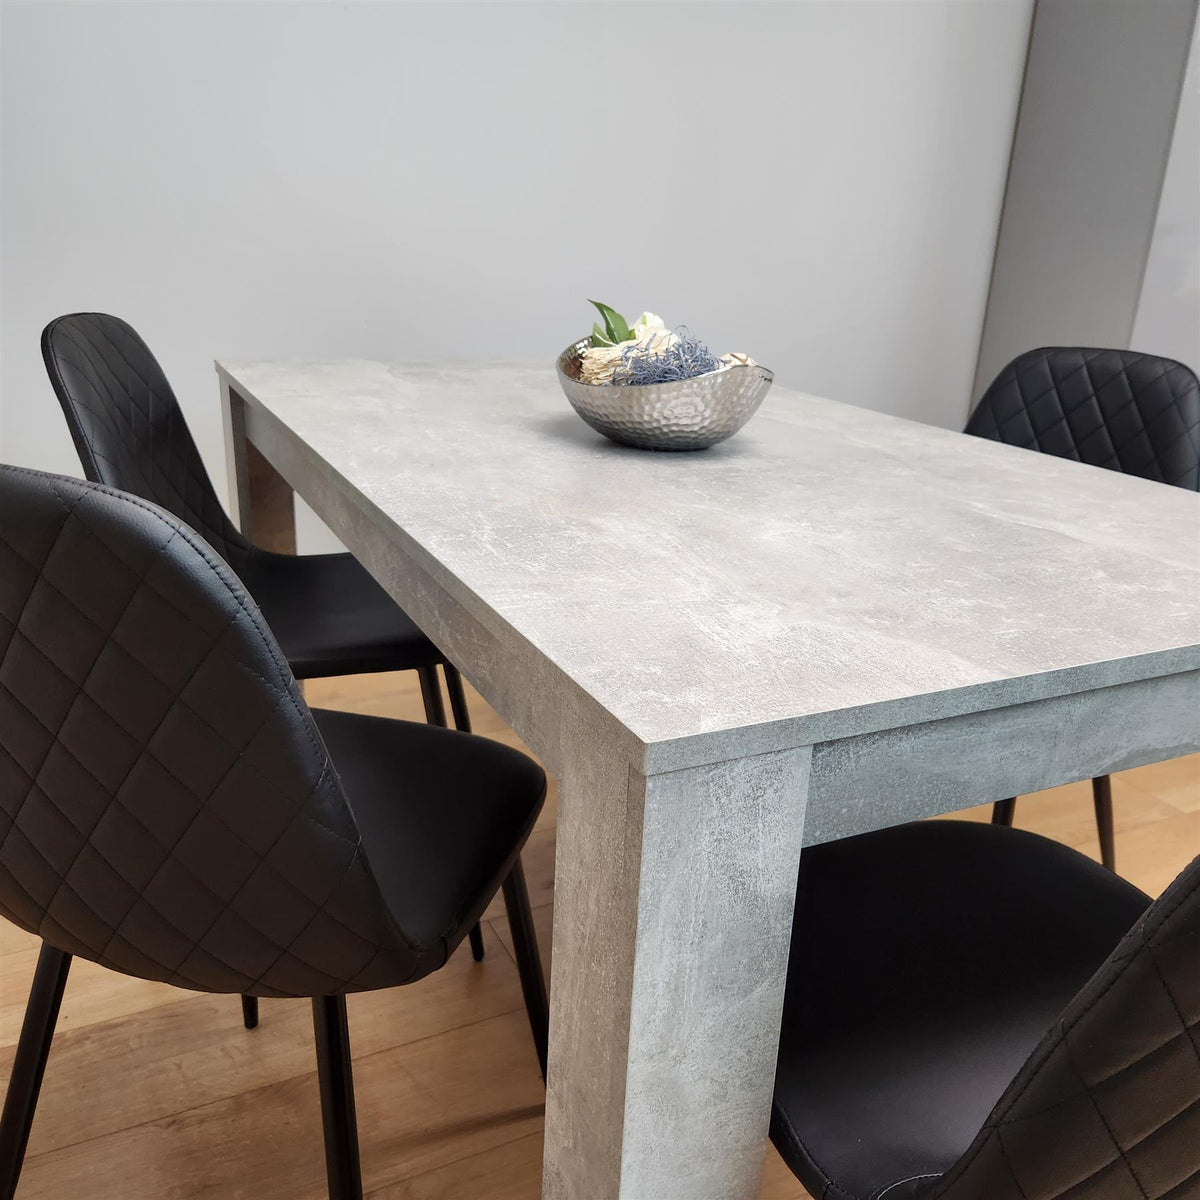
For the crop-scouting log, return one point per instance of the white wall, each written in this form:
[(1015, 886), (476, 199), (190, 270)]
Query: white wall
[(817, 183), (1168, 314)]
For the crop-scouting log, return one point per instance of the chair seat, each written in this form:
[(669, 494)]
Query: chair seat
[(330, 617), (440, 813), (927, 961)]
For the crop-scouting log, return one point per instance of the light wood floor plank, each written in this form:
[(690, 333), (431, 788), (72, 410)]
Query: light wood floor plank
[(420, 1105), (94, 993), (196, 1051), (1176, 781)]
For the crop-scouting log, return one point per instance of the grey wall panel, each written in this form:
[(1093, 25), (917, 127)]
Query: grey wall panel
[(1168, 315), (1102, 87)]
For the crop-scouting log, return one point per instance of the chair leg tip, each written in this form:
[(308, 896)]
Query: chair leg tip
[(476, 938), (250, 1012)]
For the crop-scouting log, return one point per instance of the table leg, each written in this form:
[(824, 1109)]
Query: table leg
[(673, 907), (263, 500)]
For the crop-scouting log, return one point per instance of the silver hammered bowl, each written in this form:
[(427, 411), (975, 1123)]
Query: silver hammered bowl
[(689, 414)]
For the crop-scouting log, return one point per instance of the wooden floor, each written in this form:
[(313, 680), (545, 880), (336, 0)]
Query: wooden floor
[(159, 1093)]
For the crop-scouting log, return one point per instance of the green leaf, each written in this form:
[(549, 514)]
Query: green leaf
[(616, 325), (599, 337)]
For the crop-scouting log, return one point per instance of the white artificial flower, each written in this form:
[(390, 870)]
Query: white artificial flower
[(646, 324)]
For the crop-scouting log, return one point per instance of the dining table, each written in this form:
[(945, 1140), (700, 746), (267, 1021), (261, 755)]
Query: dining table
[(835, 621)]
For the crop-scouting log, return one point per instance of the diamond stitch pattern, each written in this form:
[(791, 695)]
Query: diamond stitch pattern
[(1134, 413), (328, 613), (1108, 1106), (168, 806), (978, 1013)]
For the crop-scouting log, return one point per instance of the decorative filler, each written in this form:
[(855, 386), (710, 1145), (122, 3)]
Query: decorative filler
[(680, 356), (645, 352), (645, 385)]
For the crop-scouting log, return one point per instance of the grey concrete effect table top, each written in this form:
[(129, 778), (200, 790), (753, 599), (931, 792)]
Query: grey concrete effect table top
[(827, 572), (833, 622)]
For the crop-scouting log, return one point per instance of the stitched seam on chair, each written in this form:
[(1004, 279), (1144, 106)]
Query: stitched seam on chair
[(114, 409), (16, 625), (1098, 1083), (54, 734), (107, 634), (219, 568), (1055, 388), (222, 571), (126, 362), (1112, 1137), (900, 1182), (225, 906), (147, 753), (1174, 1005), (13, 879), (114, 791), (326, 764), (63, 883), (1009, 1164), (1158, 405), (356, 857), (998, 1124), (318, 907), (1135, 393), (1186, 1179), (1055, 384), (61, 389), (1162, 918), (1187, 1108), (87, 843), (828, 1183), (111, 641)]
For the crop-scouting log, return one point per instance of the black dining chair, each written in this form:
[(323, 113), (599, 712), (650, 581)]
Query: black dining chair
[(172, 809), (978, 1013), (1134, 413), (328, 614)]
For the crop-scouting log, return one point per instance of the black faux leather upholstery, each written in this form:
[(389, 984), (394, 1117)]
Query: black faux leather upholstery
[(1108, 1105), (167, 804), (927, 962), (448, 830), (1129, 412), (328, 614)]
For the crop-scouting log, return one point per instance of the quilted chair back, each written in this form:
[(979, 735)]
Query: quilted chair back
[(1108, 1105), (127, 425), (167, 806), (1134, 413)]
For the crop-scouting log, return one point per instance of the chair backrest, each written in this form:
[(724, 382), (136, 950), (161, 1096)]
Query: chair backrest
[(1135, 413), (167, 806), (127, 425), (1108, 1105)]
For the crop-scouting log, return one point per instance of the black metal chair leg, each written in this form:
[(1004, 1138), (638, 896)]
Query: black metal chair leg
[(476, 939), (1003, 811), (1102, 798), (431, 694), (336, 1081), (458, 699), (250, 1012), (435, 714), (29, 1064), (529, 961)]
